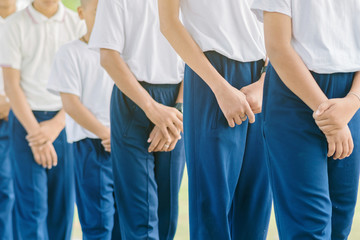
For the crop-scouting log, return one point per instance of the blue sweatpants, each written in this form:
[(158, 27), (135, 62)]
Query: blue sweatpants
[(94, 187), (146, 184), (229, 191), (314, 196), (44, 205), (7, 196)]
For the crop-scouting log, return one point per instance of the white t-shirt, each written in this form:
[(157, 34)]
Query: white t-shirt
[(132, 28), (29, 44), (226, 26), (326, 33), (77, 70), (2, 25)]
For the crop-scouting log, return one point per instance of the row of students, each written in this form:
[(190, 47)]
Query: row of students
[(230, 198)]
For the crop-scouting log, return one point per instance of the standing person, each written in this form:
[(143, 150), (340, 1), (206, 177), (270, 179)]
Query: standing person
[(43, 167), (222, 44), (147, 154), (85, 90), (7, 198), (315, 68)]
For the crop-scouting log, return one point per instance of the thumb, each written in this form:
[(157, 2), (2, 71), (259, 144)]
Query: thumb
[(322, 108)]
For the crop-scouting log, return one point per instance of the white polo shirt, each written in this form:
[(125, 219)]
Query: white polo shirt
[(227, 27), (132, 28), (77, 70), (29, 44), (326, 33)]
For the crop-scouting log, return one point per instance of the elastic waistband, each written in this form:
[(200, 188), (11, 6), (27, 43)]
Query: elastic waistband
[(45, 113), (158, 86), (214, 54)]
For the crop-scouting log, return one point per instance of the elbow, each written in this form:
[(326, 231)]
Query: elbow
[(167, 24), (275, 48), (106, 58)]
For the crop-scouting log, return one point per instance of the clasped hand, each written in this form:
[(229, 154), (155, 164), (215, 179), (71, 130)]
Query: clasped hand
[(332, 117), (41, 143)]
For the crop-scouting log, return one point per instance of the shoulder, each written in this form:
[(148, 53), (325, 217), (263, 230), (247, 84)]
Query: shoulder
[(69, 51)]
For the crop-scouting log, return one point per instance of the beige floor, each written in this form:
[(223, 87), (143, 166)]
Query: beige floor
[(183, 225)]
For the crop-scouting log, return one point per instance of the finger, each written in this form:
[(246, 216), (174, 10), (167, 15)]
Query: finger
[(238, 120), (345, 152), (152, 134), (321, 109), (37, 157), (174, 131), (179, 124), (331, 150), (48, 156), (154, 142), (42, 158), (338, 151), (322, 123), (351, 146), (53, 155), (249, 113), (230, 122), (162, 146), (165, 132), (179, 115)]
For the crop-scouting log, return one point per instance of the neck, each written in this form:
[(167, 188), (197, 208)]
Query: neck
[(46, 11), (7, 11)]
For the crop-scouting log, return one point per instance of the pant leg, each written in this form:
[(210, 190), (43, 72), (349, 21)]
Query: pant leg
[(30, 185), (94, 189), (308, 196), (61, 192), (253, 198), (7, 196), (169, 169), (136, 186), (214, 151)]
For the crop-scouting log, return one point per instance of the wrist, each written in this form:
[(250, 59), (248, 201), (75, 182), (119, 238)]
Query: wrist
[(354, 99), (104, 133)]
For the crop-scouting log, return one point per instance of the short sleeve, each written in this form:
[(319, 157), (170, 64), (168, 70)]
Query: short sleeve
[(10, 42), (65, 74), (108, 31), (279, 6)]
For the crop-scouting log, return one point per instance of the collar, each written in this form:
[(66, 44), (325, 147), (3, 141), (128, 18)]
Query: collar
[(37, 17), (2, 20)]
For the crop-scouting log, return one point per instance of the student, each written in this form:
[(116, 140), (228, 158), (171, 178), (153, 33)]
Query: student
[(85, 90), (7, 7), (43, 167), (314, 50), (222, 43), (147, 154)]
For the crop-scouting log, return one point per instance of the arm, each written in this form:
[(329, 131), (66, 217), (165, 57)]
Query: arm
[(4, 107), (286, 61), (336, 113), (296, 76), (44, 154), (82, 115), (162, 116), (254, 92), (231, 101), (156, 138)]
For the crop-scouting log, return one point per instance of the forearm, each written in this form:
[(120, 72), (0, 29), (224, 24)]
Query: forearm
[(59, 119), (18, 100), (355, 89), (83, 116), (185, 46), (180, 97), (125, 80), (287, 63)]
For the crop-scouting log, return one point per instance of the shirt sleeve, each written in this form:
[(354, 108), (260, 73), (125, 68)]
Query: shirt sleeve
[(65, 75), (10, 42), (108, 31), (279, 6)]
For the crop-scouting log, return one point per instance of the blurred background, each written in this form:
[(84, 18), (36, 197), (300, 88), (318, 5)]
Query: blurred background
[(183, 225)]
